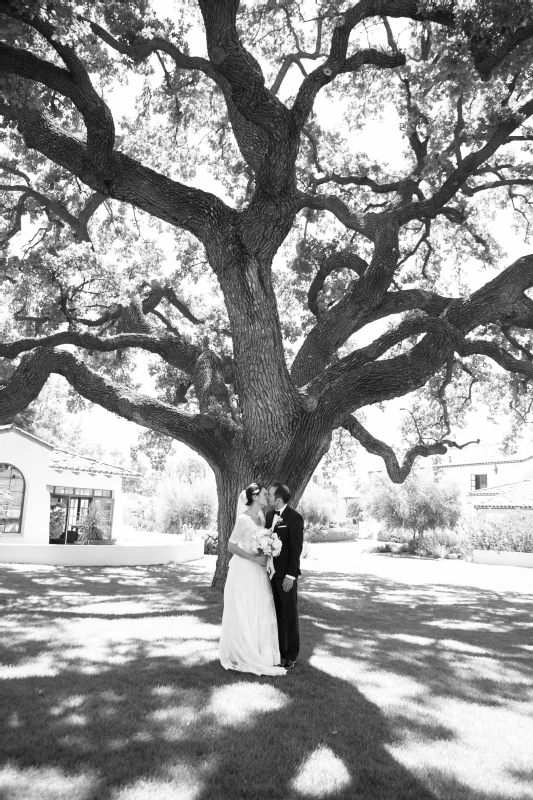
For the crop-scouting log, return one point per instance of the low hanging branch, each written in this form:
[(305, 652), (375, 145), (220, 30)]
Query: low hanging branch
[(35, 368), (398, 473)]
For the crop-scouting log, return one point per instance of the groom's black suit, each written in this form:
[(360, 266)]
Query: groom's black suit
[(290, 530)]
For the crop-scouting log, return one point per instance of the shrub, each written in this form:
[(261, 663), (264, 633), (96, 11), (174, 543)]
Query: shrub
[(317, 506), (210, 542), (514, 534), (92, 527), (193, 504), (417, 505), (440, 543), (58, 515), (338, 533), (384, 548), (354, 509), (139, 512)]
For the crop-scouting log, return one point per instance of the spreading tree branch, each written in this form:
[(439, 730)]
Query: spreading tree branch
[(175, 351), (78, 224), (398, 473), (34, 369), (201, 213)]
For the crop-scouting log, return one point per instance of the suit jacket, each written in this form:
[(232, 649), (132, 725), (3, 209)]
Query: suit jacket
[(290, 530)]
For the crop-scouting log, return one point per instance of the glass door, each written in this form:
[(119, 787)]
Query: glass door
[(77, 510)]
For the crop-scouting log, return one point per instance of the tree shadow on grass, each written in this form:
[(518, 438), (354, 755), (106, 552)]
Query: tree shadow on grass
[(114, 691)]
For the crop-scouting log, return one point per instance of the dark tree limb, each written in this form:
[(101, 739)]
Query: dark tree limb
[(34, 369), (398, 473), (177, 352), (497, 354), (338, 65), (354, 382), (296, 58), (406, 186), (250, 139), (16, 218), (514, 341), (486, 60), (74, 83), (334, 327), (465, 169), (78, 224), (201, 213), (345, 259), (364, 224)]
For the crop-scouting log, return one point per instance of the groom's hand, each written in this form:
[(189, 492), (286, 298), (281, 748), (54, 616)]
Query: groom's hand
[(287, 584)]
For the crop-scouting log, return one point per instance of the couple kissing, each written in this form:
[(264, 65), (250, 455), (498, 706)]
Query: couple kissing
[(260, 631)]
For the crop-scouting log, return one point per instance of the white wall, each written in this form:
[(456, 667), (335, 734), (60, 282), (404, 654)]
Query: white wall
[(109, 555), (506, 473), (31, 458)]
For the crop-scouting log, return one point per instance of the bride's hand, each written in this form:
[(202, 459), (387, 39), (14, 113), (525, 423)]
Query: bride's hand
[(261, 560)]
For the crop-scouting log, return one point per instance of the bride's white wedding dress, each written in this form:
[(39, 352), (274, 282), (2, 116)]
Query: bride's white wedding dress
[(249, 637)]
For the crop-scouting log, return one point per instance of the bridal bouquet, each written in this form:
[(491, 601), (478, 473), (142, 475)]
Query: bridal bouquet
[(265, 542)]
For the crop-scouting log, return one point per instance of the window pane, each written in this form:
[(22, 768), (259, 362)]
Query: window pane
[(84, 492), (11, 499), (103, 506)]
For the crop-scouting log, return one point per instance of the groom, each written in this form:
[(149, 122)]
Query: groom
[(289, 526)]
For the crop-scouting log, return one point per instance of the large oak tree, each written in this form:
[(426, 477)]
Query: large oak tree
[(310, 239)]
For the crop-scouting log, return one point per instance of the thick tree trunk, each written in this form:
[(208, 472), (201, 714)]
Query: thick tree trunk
[(229, 486), (294, 469)]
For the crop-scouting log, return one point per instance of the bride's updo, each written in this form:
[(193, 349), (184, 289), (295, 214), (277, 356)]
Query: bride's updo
[(250, 491)]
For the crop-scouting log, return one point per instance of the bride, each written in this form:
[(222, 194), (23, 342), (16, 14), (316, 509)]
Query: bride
[(249, 637)]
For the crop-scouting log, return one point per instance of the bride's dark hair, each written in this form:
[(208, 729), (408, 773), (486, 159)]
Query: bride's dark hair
[(252, 490)]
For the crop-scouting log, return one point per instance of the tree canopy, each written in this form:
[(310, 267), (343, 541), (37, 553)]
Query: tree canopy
[(203, 182)]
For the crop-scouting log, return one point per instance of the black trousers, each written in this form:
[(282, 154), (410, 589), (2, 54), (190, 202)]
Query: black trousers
[(287, 615)]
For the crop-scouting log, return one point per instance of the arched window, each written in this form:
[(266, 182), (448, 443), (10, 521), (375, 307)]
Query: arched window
[(11, 498)]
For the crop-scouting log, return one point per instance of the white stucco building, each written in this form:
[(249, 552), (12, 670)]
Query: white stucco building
[(484, 467), (512, 499), (33, 474)]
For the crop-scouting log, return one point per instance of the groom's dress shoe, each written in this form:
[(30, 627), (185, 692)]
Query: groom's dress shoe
[(289, 664)]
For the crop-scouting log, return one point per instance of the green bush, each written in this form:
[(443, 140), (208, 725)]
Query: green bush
[(340, 533), (440, 543), (139, 512), (420, 504), (514, 534), (210, 543), (58, 515), (193, 504), (317, 506), (354, 509)]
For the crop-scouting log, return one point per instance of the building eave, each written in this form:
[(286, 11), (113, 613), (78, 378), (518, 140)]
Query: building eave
[(26, 435)]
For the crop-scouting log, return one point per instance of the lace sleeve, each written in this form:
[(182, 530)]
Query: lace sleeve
[(238, 531)]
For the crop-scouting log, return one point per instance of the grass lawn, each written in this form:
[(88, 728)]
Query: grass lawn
[(415, 681)]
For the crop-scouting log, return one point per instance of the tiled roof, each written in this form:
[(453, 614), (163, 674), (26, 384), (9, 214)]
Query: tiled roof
[(63, 461), (483, 454), (512, 495)]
